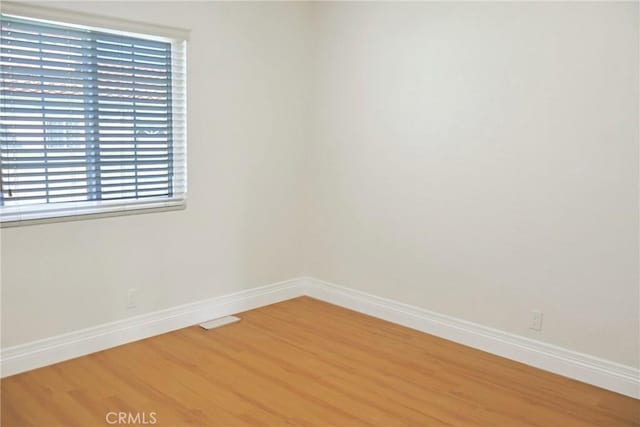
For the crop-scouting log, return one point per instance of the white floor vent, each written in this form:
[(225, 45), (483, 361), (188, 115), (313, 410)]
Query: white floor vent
[(216, 323)]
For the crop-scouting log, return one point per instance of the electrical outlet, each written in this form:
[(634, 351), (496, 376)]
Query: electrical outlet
[(132, 298), (535, 321)]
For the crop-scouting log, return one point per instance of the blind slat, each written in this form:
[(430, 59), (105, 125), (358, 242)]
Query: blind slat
[(82, 133), (12, 65), (109, 105), (38, 81), (102, 85), (7, 177), (11, 71), (46, 110)]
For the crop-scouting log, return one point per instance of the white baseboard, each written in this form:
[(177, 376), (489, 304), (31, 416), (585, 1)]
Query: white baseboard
[(579, 366), (56, 349)]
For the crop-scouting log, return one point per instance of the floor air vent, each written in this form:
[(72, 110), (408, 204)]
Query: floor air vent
[(216, 323)]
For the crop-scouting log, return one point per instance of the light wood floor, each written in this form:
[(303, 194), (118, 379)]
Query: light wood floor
[(305, 362)]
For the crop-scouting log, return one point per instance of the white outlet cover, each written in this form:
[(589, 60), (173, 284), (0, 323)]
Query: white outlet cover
[(536, 320), (132, 298)]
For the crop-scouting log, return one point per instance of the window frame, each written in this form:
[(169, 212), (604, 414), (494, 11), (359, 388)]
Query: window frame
[(69, 211)]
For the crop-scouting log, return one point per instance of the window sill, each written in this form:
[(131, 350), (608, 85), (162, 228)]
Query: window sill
[(130, 210)]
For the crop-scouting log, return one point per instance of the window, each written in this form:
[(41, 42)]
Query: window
[(91, 120)]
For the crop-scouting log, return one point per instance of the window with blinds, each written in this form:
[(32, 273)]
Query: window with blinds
[(91, 120)]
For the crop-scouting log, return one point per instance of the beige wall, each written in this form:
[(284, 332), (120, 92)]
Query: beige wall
[(247, 96), (478, 160), (481, 160)]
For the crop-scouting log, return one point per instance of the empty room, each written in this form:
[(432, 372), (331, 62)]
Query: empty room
[(319, 213)]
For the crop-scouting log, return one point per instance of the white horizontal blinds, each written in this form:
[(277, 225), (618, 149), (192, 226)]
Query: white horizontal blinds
[(88, 116)]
